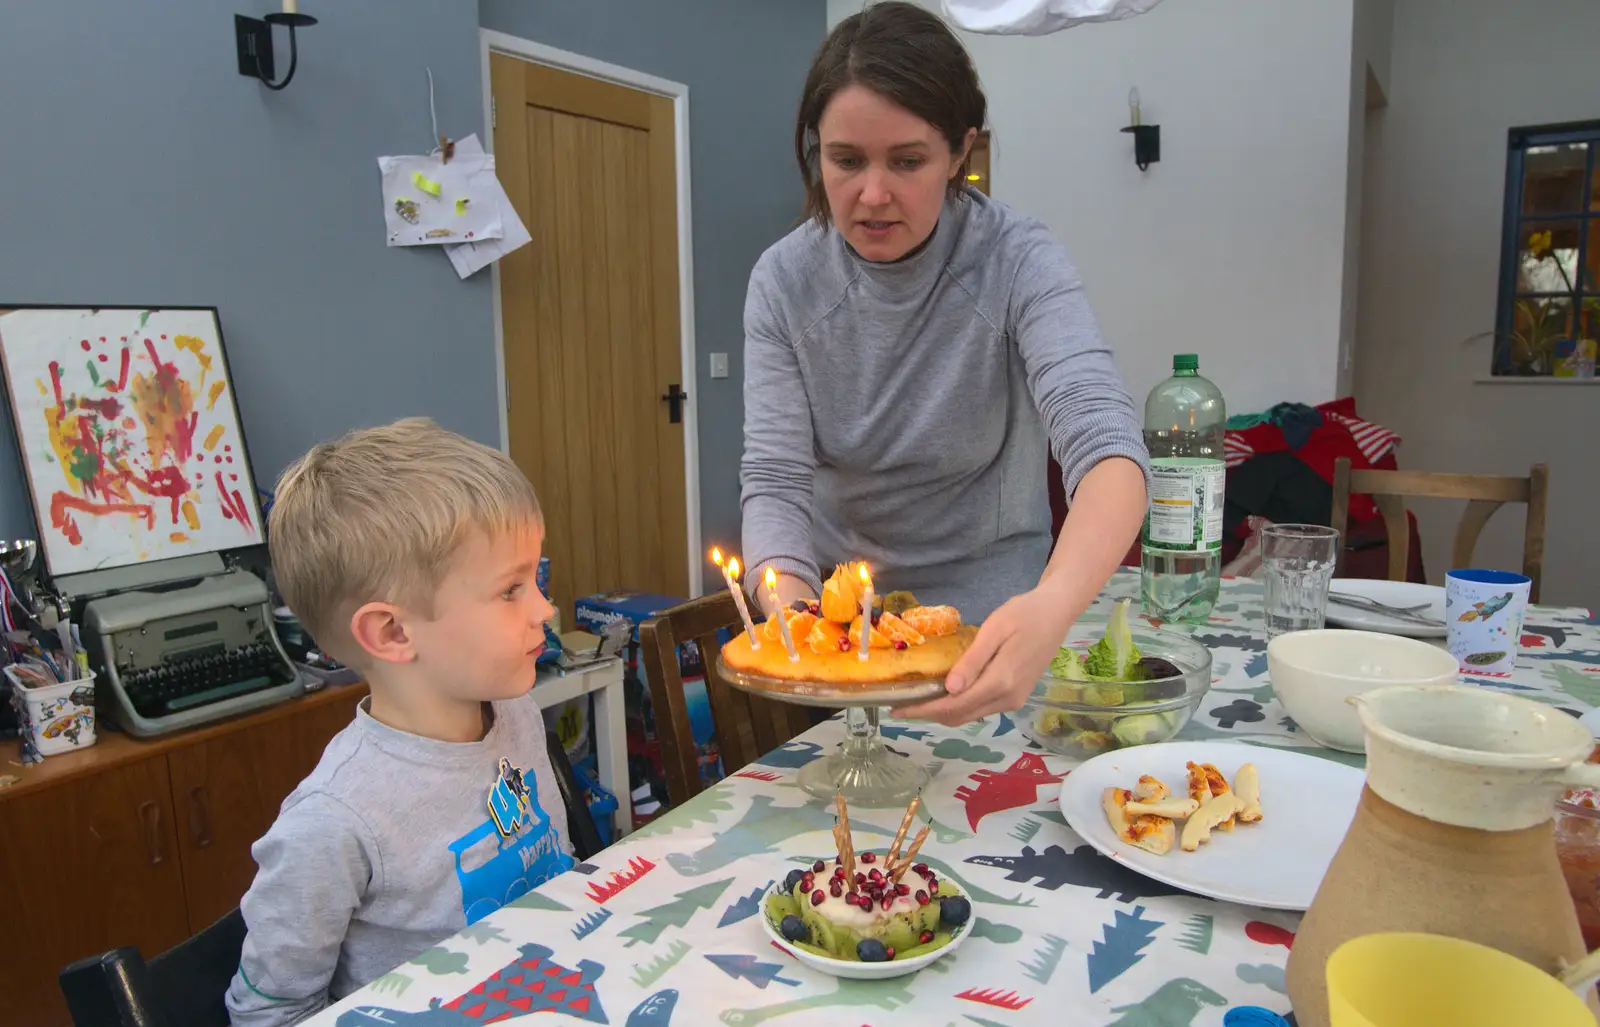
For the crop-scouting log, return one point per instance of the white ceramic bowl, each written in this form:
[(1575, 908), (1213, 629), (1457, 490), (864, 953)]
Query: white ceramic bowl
[(854, 968), (1314, 673)]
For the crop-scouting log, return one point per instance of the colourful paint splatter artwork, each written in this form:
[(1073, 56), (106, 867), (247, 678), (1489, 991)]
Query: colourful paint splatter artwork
[(129, 434)]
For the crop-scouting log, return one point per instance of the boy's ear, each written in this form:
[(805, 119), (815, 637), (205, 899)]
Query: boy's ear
[(380, 629)]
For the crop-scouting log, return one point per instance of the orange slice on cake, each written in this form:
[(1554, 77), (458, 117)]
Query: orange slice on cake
[(877, 639), (824, 637), (897, 630), (933, 621), (841, 600)]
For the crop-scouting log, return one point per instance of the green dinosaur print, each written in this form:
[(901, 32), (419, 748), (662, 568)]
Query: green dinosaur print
[(886, 995), (483, 933), (763, 829), (1174, 1004), (707, 808), (1000, 934), (441, 961), (394, 982), (649, 973), (539, 900), (1197, 930), (1583, 687), (942, 834)]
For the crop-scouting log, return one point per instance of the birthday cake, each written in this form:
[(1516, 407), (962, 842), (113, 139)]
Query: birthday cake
[(868, 906), (906, 641)]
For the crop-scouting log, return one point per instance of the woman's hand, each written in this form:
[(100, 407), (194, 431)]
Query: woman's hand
[(1005, 661)]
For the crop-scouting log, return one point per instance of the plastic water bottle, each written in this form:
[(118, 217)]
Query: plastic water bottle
[(1184, 422)]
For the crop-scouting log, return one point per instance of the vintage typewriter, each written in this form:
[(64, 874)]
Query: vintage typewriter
[(172, 655)]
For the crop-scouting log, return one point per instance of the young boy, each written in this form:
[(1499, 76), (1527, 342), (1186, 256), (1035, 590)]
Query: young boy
[(409, 553)]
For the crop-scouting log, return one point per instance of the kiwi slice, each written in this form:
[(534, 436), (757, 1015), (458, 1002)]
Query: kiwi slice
[(900, 932), (780, 906), (928, 917), (822, 932), (811, 948), (940, 940)]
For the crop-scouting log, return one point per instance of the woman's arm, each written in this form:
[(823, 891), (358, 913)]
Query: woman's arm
[(779, 460), (1017, 642)]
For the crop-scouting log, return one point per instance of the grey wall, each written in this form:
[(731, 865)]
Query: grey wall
[(142, 168), (744, 62), (1462, 72)]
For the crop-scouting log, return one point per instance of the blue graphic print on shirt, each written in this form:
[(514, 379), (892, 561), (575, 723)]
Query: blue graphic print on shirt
[(528, 849)]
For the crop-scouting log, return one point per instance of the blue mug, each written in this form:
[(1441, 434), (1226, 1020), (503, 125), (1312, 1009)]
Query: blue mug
[(1483, 614)]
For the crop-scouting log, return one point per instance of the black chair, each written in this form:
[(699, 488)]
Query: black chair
[(581, 829), (182, 987)]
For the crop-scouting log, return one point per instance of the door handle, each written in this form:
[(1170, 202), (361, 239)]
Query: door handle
[(674, 399), (150, 814), (199, 817)]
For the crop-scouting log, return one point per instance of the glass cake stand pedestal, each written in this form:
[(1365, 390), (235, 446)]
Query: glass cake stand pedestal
[(863, 770)]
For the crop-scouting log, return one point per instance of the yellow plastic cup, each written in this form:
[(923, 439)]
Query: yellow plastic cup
[(1427, 980)]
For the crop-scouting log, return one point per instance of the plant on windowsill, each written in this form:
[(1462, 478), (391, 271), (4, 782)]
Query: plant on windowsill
[(1531, 349)]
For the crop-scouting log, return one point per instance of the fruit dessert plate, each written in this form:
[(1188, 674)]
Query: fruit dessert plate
[(867, 915)]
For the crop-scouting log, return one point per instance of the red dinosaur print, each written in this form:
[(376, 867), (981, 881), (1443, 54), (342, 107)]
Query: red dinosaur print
[(1269, 934), (1017, 785)]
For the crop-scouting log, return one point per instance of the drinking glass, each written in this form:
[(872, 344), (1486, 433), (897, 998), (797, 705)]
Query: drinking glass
[(1297, 562)]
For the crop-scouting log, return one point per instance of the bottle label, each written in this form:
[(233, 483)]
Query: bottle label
[(1185, 513)]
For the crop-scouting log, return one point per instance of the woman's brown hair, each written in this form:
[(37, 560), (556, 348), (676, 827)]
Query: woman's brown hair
[(906, 55)]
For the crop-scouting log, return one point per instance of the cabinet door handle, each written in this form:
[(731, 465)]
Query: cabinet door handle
[(150, 813), (199, 817)]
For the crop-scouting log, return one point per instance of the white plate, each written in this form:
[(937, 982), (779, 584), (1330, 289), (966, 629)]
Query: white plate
[(854, 968), (1307, 804), (1390, 593)]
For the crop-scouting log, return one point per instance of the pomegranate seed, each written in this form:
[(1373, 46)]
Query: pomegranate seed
[(818, 866), (922, 897), (889, 952), (835, 889), (902, 889), (844, 644), (900, 643), (816, 897), (815, 609), (886, 903), (867, 857), (874, 874), (921, 868), (860, 878), (875, 616), (925, 937), (807, 883)]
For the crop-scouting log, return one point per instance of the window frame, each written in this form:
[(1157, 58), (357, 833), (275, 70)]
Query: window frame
[(1515, 225)]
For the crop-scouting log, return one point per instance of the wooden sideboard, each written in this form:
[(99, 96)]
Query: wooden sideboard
[(135, 842)]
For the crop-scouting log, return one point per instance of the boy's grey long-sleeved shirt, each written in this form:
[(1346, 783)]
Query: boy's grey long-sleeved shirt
[(899, 413), (392, 844)]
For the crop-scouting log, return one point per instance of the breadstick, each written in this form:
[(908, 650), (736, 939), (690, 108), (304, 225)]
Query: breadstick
[(841, 838), (900, 835), (910, 857)]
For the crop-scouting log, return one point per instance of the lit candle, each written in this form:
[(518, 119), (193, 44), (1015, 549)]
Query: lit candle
[(866, 611), (730, 574), (777, 611)]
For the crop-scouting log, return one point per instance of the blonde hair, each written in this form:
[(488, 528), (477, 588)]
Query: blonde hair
[(376, 516)]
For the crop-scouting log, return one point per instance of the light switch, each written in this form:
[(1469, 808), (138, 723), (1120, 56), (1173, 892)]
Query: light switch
[(719, 365)]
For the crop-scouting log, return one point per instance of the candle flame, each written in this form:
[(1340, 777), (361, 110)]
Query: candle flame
[(861, 568), (772, 580), (716, 556), (733, 567)]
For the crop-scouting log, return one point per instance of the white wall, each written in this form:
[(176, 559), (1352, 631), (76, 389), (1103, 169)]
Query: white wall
[(1462, 72), (1233, 245)]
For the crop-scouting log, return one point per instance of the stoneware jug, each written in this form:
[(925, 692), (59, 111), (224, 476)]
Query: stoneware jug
[(1454, 834)]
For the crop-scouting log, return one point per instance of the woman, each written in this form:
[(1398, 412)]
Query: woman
[(909, 352)]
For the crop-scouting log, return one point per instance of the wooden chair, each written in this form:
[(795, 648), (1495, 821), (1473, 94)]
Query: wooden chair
[(1484, 494), (745, 726)]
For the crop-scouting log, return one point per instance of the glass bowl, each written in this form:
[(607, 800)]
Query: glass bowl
[(1082, 719)]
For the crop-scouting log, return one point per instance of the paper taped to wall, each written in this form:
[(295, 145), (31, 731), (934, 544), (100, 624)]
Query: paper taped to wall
[(422, 194), (469, 258)]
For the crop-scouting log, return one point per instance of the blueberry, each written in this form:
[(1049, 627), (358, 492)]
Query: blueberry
[(794, 929), (792, 880), (954, 910), (871, 950), (800, 606)]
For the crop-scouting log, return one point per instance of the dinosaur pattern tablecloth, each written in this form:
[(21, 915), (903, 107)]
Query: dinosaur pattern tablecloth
[(663, 929)]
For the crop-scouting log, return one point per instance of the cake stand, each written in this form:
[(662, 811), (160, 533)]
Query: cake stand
[(864, 771)]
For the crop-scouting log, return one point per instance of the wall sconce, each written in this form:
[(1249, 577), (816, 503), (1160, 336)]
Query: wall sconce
[(253, 39), (1146, 138)]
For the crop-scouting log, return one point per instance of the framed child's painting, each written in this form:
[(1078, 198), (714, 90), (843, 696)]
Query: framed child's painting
[(129, 434)]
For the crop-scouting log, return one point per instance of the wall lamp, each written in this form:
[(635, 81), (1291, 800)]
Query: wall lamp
[(1146, 138), (253, 39)]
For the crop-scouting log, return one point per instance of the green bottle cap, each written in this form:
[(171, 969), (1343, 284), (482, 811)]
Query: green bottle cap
[(1185, 362)]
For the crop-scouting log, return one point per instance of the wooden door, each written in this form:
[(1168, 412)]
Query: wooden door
[(226, 791), (590, 317), (86, 865)]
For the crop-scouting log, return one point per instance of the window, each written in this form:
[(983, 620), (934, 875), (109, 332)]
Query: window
[(1549, 311)]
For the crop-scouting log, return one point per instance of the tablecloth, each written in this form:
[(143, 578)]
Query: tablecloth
[(664, 928)]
